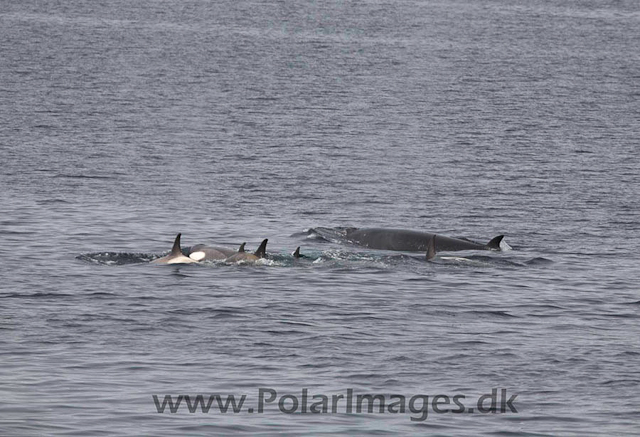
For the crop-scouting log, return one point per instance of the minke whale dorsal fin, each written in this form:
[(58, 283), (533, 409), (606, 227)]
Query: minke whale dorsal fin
[(176, 250), (241, 248), (262, 250), (495, 242), (296, 253), (431, 248)]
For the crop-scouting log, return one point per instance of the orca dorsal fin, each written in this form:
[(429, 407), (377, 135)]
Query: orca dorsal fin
[(431, 248), (176, 250), (495, 242), (241, 248), (296, 253), (262, 250)]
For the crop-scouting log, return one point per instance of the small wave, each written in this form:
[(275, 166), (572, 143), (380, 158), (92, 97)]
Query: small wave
[(283, 332), (538, 261), (632, 353), (495, 313), (477, 261), (622, 382), (487, 261), (50, 201), (81, 176), (39, 295), (103, 295), (292, 322)]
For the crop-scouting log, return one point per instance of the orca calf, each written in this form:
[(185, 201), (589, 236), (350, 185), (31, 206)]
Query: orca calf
[(241, 255), (403, 240), (176, 256), (297, 255)]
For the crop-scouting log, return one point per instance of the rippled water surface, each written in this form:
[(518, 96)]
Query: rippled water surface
[(124, 123)]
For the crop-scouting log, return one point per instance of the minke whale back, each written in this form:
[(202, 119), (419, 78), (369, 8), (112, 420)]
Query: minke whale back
[(402, 240), (176, 256)]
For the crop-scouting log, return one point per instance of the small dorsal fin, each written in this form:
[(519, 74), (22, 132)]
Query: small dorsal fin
[(175, 250), (495, 242), (262, 250), (431, 248), (296, 253), (241, 249)]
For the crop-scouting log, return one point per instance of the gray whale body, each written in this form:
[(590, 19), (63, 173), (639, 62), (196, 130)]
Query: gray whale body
[(402, 239)]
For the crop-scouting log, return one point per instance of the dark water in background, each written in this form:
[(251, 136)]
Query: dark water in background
[(124, 123)]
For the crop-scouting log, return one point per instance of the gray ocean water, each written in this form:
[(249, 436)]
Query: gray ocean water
[(123, 123)]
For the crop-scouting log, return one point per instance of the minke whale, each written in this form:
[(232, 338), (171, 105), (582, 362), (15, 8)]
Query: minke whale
[(176, 256), (241, 255), (402, 240)]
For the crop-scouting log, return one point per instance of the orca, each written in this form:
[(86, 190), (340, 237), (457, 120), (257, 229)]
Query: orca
[(403, 240), (176, 256), (297, 255), (202, 252), (241, 255)]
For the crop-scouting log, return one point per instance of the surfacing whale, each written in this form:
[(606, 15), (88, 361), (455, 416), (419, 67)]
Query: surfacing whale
[(297, 255), (403, 240), (202, 252), (176, 256), (241, 255)]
